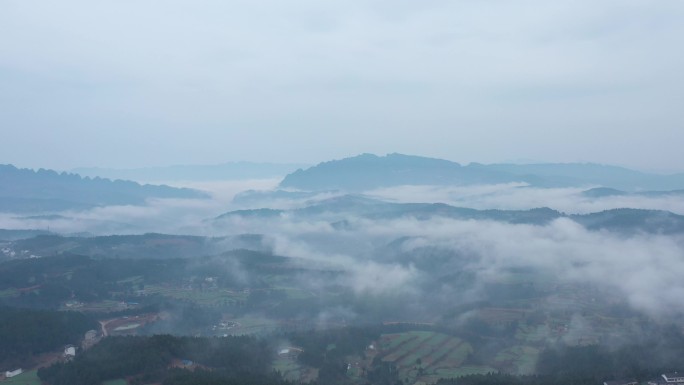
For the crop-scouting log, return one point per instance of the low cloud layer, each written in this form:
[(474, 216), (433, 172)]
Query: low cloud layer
[(421, 260), (644, 270), (175, 216), (517, 196)]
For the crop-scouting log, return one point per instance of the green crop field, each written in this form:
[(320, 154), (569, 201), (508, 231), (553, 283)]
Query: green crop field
[(135, 279), (288, 368), (427, 355), (391, 341), (251, 325), (495, 316), (533, 333), (9, 293), (291, 370), (115, 382), (213, 297), (518, 359), (295, 293), (103, 306)]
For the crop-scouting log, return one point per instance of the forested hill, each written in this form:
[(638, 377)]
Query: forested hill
[(215, 172), (25, 333), (25, 190), (368, 171)]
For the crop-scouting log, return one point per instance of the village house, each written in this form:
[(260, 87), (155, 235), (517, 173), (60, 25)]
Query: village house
[(673, 378), (91, 334), (69, 351), (13, 373)]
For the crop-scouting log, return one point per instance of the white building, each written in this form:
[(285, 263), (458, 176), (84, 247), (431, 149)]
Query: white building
[(674, 378), (10, 374), (70, 351), (91, 334)]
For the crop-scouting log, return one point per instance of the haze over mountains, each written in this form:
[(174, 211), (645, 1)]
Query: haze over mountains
[(169, 246), (216, 172), (338, 210), (473, 269), (29, 191), (414, 181), (368, 171)]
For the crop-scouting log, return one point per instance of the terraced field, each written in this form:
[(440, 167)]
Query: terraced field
[(103, 306), (8, 293), (203, 298), (288, 368), (251, 325), (291, 370), (499, 316), (533, 333), (427, 356), (518, 359)]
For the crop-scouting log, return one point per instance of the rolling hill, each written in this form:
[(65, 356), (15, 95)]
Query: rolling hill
[(29, 191), (368, 171)]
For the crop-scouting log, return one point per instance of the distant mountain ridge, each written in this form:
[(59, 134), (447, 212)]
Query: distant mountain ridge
[(213, 172), (29, 191), (602, 192), (368, 171), (339, 209)]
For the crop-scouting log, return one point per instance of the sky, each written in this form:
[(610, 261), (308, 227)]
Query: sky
[(119, 83)]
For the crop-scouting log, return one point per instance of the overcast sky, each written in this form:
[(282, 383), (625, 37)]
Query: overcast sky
[(137, 83)]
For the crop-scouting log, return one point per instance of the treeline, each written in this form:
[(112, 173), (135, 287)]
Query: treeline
[(509, 379), (248, 360), (226, 361), (149, 359), (25, 190), (651, 352), (48, 282), (328, 350), (25, 333), (220, 377)]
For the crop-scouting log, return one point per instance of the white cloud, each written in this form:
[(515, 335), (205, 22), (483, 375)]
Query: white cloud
[(645, 270), (518, 197)]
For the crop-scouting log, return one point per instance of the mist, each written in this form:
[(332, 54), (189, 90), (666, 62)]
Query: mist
[(519, 196), (416, 259)]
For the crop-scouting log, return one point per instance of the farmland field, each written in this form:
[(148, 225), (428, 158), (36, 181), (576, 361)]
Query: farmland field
[(103, 306), (115, 382), (137, 279), (295, 293), (518, 359), (426, 355), (288, 368), (251, 325), (201, 297), (498, 316), (533, 333), (291, 370), (9, 293)]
